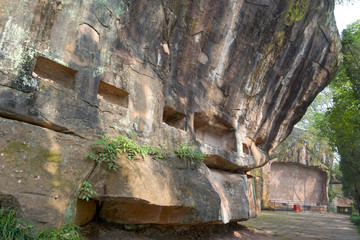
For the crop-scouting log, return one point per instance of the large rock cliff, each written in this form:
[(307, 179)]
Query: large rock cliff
[(231, 77)]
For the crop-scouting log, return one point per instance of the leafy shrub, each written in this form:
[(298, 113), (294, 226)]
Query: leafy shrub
[(109, 148), (356, 220), (184, 150), (87, 191)]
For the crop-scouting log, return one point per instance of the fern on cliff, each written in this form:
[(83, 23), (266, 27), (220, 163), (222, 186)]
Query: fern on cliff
[(108, 149)]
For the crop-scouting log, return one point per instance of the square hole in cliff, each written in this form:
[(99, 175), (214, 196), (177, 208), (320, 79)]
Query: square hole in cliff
[(214, 132), (174, 118), (50, 71), (113, 94)]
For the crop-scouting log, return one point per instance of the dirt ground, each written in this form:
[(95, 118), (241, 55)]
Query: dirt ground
[(233, 231), (269, 225)]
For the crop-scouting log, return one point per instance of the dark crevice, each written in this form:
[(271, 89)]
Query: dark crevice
[(49, 126), (36, 193), (323, 67), (239, 170), (323, 32), (257, 4), (15, 88)]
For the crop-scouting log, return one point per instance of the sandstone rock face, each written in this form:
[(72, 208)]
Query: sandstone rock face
[(231, 77), (232, 189), (40, 171), (297, 183), (155, 191)]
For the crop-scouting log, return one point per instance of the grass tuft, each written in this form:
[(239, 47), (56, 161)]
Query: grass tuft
[(12, 228)]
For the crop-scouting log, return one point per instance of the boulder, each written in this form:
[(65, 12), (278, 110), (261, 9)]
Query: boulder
[(40, 172)]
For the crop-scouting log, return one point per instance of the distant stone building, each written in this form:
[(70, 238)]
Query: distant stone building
[(295, 184), (298, 174)]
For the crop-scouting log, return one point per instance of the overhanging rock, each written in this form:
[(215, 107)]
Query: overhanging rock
[(231, 77)]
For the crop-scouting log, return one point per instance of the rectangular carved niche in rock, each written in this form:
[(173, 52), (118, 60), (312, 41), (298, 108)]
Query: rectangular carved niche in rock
[(246, 150), (50, 71), (215, 132), (174, 118), (113, 94)]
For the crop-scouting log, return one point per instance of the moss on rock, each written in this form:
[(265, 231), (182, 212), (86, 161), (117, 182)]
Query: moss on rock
[(296, 11)]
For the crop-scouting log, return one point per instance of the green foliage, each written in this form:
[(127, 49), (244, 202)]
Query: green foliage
[(335, 175), (316, 147), (184, 150), (341, 2), (110, 147), (12, 228), (87, 191), (332, 194), (351, 50), (156, 151), (335, 115), (355, 219), (70, 232), (341, 122), (315, 112)]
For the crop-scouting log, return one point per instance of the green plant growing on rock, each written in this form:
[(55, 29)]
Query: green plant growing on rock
[(184, 150), (109, 148), (157, 151), (87, 191)]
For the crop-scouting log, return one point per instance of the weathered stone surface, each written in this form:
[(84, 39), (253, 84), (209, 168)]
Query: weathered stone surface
[(233, 191), (293, 183), (237, 65), (254, 195), (298, 183), (40, 172), (153, 191), (85, 212), (231, 76)]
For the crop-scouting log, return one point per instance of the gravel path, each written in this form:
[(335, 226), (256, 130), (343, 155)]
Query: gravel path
[(304, 225)]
